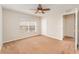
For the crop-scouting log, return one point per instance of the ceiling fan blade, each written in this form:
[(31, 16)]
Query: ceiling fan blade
[(46, 9), (33, 9)]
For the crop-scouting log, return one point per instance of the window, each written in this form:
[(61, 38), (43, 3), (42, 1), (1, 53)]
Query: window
[(28, 26)]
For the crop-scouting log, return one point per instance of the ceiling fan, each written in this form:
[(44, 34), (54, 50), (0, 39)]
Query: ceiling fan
[(40, 9)]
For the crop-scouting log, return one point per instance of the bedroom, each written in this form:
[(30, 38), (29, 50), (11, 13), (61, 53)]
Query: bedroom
[(24, 31)]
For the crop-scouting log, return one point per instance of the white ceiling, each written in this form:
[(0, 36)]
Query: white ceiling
[(26, 8)]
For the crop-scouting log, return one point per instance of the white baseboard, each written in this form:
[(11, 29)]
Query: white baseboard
[(32, 36), (52, 36), (0, 48), (20, 38)]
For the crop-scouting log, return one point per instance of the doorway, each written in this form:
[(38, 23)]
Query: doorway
[(69, 27), (69, 32)]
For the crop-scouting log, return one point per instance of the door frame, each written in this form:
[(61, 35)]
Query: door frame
[(75, 11)]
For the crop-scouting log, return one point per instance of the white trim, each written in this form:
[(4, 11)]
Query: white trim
[(21, 38), (76, 29), (1, 27), (76, 18), (69, 13), (72, 12), (0, 48), (50, 36)]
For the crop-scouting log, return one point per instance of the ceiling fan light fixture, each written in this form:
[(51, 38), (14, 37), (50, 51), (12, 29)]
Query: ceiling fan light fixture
[(41, 10)]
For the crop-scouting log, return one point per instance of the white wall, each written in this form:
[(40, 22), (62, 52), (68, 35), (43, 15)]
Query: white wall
[(69, 25), (44, 26), (52, 26), (12, 20), (1, 27)]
